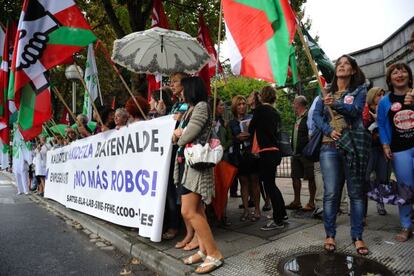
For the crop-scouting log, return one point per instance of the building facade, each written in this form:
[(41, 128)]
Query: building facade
[(374, 60)]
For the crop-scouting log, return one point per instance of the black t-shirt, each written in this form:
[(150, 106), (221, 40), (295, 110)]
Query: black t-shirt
[(402, 122)]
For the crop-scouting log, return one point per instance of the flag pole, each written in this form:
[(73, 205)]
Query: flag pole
[(312, 64), (64, 103), (53, 121), (120, 77), (217, 60), (48, 128), (89, 94)]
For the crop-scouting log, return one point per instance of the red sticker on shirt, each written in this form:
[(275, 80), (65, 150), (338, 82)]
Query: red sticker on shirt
[(404, 119), (396, 106), (349, 99)]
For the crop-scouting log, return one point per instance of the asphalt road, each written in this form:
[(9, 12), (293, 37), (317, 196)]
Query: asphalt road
[(34, 241)]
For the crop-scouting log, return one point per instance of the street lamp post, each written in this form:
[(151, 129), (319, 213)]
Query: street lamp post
[(73, 75)]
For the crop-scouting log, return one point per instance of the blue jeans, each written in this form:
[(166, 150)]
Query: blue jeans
[(334, 173), (403, 163)]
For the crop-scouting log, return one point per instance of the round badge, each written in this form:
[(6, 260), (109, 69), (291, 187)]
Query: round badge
[(348, 99), (396, 106), (404, 119)]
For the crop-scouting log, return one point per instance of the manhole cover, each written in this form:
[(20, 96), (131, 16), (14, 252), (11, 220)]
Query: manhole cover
[(331, 264)]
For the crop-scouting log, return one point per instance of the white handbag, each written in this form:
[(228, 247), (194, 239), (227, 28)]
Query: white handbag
[(205, 156)]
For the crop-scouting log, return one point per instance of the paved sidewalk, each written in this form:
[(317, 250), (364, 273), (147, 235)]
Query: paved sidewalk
[(249, 251)]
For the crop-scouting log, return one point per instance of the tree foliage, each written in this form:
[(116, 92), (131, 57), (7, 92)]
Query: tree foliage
[(112, 19)]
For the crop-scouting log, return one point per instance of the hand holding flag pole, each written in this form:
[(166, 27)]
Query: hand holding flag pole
[(313, 66)]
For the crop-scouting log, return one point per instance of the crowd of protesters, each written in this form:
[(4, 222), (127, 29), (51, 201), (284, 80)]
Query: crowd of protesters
[(367, 135)]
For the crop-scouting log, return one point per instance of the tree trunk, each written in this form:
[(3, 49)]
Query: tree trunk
[(113, 19)]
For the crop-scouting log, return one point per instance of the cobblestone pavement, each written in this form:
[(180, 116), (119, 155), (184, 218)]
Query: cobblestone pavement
[(249, 251)]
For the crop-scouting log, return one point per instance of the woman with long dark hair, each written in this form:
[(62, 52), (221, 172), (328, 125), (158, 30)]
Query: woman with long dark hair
[(197, 184), (345, 149)]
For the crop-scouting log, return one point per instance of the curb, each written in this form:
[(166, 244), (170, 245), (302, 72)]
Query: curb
[(150, 256)]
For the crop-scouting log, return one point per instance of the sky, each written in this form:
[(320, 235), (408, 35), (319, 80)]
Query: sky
[(345, 26)]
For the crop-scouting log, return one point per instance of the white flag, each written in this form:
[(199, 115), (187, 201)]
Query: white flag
[(92, 82), (21, 152), (4, 155)]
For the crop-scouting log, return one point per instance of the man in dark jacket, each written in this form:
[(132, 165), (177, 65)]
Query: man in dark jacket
[(301, 167)]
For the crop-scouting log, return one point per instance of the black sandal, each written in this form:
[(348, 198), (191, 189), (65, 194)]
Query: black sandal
[(329, 245), (361, 247)]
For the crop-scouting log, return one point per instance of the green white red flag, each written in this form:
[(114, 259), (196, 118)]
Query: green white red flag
[(260, 34), (49, 32)]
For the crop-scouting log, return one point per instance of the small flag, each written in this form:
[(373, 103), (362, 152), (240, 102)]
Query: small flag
[(91, 81)]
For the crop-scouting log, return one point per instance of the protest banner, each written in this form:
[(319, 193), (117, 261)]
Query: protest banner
[(119, 176)]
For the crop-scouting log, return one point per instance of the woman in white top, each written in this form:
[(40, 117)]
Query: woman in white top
[(40, 163)]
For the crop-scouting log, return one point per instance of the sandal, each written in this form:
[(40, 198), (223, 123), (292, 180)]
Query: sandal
[(245, 216), (190, 246), (194, 259), (361, 247), (210, 264), (308, 207), (180, 244), (329, 245), (293, 206), (255, 217), (404, 235)]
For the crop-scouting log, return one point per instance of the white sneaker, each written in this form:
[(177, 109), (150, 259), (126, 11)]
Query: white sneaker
[(271, 225)]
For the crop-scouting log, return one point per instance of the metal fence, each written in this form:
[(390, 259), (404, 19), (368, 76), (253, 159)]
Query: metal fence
[(283, 170)]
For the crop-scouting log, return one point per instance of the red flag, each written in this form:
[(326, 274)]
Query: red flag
[(65, 117), (204, 38), (4, 82), (224, 174), (159, 19), (48, 33)]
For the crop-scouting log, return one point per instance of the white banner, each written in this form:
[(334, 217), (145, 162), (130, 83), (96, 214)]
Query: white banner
[(120, 175)]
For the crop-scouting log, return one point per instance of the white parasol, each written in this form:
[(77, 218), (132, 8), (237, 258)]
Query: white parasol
[(160, 51)]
